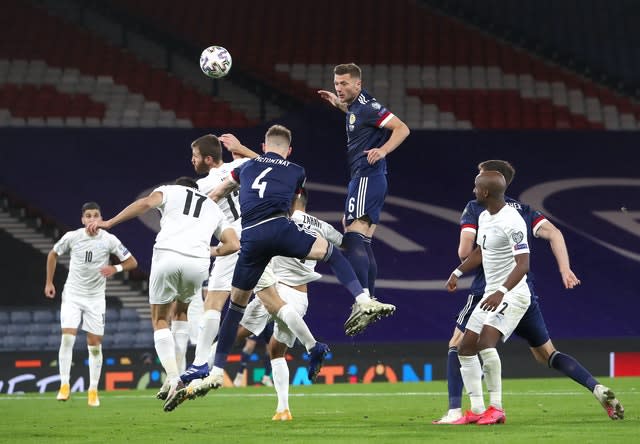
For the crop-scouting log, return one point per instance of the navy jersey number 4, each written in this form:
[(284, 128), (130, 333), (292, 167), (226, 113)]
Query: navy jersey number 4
[(267, 186)]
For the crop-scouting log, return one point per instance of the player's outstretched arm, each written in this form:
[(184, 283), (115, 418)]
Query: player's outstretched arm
[(49, 287), (558, 246), (333, 100), (134, 209), (232, 143)]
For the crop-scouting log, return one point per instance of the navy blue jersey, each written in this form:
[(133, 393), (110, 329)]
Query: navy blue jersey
[(366, 118), (469, 222), (267, 186)]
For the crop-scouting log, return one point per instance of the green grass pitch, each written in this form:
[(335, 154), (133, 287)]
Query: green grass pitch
[(554, 410)]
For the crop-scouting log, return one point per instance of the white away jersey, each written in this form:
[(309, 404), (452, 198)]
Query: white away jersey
[(88, 254), (229, 205), (292, 271), (502, 236), (188, 220)]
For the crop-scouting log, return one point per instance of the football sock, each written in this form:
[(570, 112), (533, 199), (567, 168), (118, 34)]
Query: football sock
[(267, 365), (373, 266), (569, 366), (454, 379), (209, 325), (65, 356), (281, 382), (166, 350), (356, 253), (343, 270), (492, 368), (296, 324), (244, 359), (471, 372), (180, 330), (95, 365), (267, 332), (228, 332)]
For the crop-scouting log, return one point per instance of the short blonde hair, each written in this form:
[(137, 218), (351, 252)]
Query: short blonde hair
[(278, 132)]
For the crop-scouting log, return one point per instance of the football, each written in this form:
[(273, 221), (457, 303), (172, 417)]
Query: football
[(215, 62)]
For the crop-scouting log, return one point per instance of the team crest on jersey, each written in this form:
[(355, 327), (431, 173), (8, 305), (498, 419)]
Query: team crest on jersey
[(352, 119), (376, 106), (517, 236)]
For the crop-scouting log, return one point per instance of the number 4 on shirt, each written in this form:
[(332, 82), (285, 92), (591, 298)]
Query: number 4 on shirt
[(261, 186)]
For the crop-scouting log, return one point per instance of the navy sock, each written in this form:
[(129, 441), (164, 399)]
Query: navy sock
[(454, 379), (569, 366), (343, 271), (267, 365), (373, 266), (227, 333), (244, 359), (356, 253)]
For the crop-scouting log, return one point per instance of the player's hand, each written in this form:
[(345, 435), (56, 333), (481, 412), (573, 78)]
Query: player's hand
[(50, 291), (108, 271), (452, 283), (230, 142), (569, 279), (374, 155), (492, 302), (329, 97), (94, 227)]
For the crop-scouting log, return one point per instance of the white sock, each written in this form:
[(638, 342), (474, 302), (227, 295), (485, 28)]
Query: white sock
[(180, 330), (65, 354), (492, 368), (363, 297), (209, 326), (95, 365), (296, 324), (166, 350), (472, 377), (280, 375)]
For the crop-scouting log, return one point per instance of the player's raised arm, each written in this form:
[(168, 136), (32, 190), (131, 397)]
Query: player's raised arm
[(333, 100), (551, 233), (134, 209), (231, 143)]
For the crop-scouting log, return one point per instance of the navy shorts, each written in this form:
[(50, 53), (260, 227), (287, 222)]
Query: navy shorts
[(532, 327), (259, 243), (365, 197), (465, 313)]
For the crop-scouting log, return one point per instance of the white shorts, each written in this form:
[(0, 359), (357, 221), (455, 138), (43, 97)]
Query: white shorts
[(175, 276), (222, 274), (90, 310), (256, 317), (506, 317)]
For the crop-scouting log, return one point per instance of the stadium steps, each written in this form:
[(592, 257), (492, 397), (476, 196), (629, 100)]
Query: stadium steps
[(21, 229)]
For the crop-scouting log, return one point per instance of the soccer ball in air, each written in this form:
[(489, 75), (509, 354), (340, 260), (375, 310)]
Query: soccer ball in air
[(215, 62)]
